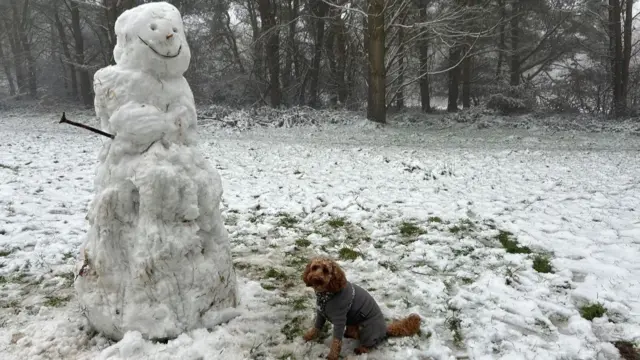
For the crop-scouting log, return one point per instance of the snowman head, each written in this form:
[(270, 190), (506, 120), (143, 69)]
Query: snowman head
[(151, 38)]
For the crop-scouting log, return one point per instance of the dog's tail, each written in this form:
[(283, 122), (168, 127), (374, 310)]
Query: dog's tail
[(404, 327)]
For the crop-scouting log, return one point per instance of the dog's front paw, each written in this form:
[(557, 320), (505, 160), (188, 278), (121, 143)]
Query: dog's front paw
[(310, 334), (334, 352)]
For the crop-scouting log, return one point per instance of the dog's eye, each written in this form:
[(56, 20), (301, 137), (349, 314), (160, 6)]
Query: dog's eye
[(314, 268), (325, 270)]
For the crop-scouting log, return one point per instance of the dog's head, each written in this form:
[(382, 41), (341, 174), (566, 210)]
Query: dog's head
[(324, 275)]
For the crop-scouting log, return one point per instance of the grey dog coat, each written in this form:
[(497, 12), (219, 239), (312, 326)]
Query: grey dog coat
[(352, 305)]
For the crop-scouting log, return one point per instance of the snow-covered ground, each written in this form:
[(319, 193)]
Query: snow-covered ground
[(415, 215)]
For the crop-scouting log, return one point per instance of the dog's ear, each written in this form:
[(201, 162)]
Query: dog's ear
[(338, 279), (305, 275)]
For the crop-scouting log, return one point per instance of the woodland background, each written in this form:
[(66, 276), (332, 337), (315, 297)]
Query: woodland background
[(378, 56)]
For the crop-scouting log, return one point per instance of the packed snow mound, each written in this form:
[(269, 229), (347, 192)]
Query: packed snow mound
[(157, 258)]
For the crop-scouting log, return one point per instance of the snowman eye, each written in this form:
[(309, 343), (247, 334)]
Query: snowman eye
[(175, 30), (153, 27)]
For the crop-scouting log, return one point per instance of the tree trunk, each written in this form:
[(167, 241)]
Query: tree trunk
[(267, 10), (341, 57), (377, 85), (616, 54), (7, 71), (423, 45), (515, 37), (257, 43), (26, 48), (287, 76), (331, 59), (454, 78), (401, 69), (628, 20), (466, 82), (16, 51), (467, 67), (84, 78), (64, 44), (502, 44), (319, 10), (367, 63)]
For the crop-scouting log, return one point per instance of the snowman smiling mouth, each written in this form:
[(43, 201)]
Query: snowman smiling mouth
[(155, 51)]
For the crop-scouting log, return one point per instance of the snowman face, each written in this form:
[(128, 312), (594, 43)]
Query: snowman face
[(151, 38)]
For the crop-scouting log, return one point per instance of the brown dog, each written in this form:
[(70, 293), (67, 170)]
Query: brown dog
[(351, 309)]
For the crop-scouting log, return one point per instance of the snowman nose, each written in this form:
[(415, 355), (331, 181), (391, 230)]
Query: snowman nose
[(169, 36)]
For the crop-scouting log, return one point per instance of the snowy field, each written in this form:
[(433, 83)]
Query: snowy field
[(446, 223)]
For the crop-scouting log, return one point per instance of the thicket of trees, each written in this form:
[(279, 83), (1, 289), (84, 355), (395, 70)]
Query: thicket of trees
[(510, 55)]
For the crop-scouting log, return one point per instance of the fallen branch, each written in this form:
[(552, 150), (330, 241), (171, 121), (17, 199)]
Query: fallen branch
[(65, 120)]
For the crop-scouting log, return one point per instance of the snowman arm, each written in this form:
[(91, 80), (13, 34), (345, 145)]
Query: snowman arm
[(140, 123)]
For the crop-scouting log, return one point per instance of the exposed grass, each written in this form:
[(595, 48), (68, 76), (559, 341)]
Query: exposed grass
[(67, 256), (299, 304), (268, 286), (464, 251), (293, 328), (337, 222), (592, 311), (434, 219), (276, 274), (349, 254), (5, 253), (3, 280), (296, 262), (453, 324), (510, 244), (287, 220), (302, 242), (55, 301), (410, 229), (391, 266), (542, 264)]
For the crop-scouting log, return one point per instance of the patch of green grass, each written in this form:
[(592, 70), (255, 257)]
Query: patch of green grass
[(337, 222), (592, 311), (466, 280), (462, 226), (293, 328), (453, 324), (5, 253), (20, 278), (276, 274), (68, 255), (302, 242), (464, 251), (287, 220), (349, 254), (10, 304), (299, 304), (268, 286), (55, 301), (511, 245), (391, 266), (434, 219), (410, 229), (296, 262), (542, 264), (3, 280)]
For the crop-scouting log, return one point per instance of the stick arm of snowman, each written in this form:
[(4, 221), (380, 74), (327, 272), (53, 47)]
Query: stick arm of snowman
[(97, 131)]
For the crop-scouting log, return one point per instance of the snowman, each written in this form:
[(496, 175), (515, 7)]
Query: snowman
[(157, 258)]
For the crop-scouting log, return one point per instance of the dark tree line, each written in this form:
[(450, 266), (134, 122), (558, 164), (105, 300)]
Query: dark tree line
[(378, 55)]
